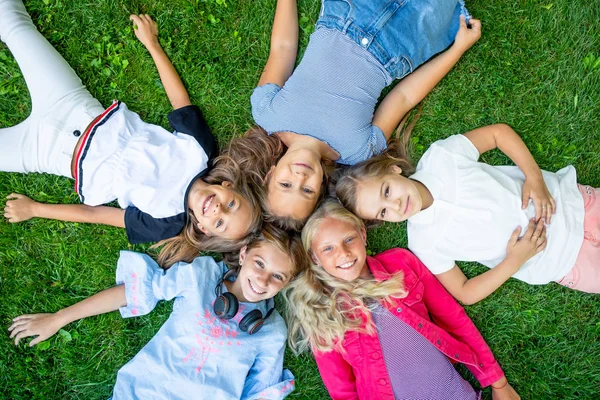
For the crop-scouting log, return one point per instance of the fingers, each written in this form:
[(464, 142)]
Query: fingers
[(540, 210), (22, 334), (524, 199), (15, 196), (17, 324), (462, 22), (136, 20), (530, 229), (540, 228), (475, 24), (514, 237), (35, 341)]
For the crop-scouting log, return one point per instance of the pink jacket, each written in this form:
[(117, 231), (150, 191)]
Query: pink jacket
[(361, 372)]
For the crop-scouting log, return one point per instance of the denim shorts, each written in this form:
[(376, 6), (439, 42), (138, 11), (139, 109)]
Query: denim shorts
[(401, 34)]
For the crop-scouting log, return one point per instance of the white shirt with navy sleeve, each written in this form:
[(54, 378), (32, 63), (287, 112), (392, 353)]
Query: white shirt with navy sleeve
[(477, 206), (196, 355), (145, 168)]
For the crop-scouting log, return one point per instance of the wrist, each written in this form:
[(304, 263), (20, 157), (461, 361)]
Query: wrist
[(153, 45), (513, 263), (61, 318), (500, 383)]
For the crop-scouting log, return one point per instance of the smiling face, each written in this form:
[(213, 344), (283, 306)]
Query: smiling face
[(220, 210), (392, 198), (264, 271), (294, 184), (340, 248)]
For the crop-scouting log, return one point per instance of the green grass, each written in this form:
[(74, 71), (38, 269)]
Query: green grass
[(528, 70)]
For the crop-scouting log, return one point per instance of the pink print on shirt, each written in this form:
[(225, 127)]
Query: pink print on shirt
[(214, 333)]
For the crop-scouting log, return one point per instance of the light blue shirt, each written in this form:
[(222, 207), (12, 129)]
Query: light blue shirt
[(196, 355), (331, 96)]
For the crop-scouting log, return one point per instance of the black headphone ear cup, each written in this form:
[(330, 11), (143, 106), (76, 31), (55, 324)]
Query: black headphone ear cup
[(226, 306), (252, 322)]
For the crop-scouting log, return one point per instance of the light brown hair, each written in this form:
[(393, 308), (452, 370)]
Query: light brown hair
[(187, 245), (343, 182)]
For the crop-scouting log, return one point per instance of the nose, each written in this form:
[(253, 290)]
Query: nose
[(217, 207), (262, 279)]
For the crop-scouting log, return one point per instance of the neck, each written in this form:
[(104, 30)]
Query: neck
[(295, 141), (235, 289), (426, 197), (198, 185)]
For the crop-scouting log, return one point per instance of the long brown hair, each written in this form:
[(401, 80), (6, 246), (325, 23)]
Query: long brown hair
[(320, 308), (343, 182), (256, 152), (187, 245)]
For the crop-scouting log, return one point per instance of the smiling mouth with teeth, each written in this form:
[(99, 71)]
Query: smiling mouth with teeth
[(347, 265), (254, 289), (207, 203)]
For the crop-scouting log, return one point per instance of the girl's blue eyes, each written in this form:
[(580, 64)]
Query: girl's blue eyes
[(278, 277), (231, 204), (307, 190), (387, 192), (285, 185), (219, 223)]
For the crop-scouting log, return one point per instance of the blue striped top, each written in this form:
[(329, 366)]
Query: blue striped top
[(330, 96)]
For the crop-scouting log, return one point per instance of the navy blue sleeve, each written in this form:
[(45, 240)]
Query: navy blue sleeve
[(189, 120), (143, 228)]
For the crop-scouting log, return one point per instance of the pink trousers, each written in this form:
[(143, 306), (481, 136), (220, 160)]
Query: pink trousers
[(585, 275)]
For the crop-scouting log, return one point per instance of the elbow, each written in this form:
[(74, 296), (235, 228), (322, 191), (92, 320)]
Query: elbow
[(467, 299), (283, 46), (502, 129)]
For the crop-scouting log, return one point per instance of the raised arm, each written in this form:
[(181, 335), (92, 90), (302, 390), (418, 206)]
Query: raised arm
[(147, 33), (45, 325), (21, 208), (518, 251), (284, 45), (504, 137), (412, 89)]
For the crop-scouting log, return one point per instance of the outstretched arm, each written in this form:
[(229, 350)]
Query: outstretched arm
[(519, 250), (412, 89), (45, 325), (147, 33), (21, 208), (504, 137), (284, 45)]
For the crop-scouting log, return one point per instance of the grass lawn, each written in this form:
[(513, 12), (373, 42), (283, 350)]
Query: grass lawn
[(536, 67)]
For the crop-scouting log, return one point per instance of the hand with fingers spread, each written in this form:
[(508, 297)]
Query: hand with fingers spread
[(536, 190), (519, 250), (19, 208), (467, 35), (145, 29), (41, 325)]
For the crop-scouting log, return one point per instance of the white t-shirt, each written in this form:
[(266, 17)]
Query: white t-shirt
[(477, 206)]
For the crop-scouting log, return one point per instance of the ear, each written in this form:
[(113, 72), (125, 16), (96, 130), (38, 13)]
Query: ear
[(269, 173), (203, 229), (227, 184), (363, 235), (243, 254), (396, 169)]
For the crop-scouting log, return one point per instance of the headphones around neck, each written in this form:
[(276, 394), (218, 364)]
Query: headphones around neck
[(226, 307)]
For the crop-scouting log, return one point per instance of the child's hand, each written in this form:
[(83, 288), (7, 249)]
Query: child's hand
[(41, 325), (19, 208), (519, 250), (467, 35), (145, 29), (536, 190)]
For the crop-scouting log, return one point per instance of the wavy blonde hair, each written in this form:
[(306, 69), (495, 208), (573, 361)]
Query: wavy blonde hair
[(320, 308), (344, 181), (187, 245)]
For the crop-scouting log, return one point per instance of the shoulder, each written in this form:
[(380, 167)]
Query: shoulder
[(262, 96), (397, 259), (455, 145)]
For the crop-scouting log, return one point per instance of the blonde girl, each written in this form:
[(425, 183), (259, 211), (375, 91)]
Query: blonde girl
[(162, 180), (197, 353), (324, 110), (382, 327), (519, 221)]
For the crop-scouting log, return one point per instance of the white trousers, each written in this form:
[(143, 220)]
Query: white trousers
[(61, 107)]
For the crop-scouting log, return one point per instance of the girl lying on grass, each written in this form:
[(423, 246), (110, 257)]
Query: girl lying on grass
[(232, 349), (460, 209), (382, 327), (162, 180), (324, 110)]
